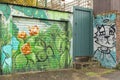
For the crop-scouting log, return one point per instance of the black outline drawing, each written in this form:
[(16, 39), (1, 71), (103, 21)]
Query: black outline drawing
[(105, 34)]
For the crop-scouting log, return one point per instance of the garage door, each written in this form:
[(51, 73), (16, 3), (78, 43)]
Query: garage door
[(39, 44)]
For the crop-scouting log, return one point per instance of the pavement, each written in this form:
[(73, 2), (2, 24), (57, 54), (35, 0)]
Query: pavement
[(67, 74), (112, 76)]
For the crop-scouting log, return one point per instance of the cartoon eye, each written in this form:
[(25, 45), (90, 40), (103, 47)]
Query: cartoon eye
[(111, 31), (106, 20), (102, 33)]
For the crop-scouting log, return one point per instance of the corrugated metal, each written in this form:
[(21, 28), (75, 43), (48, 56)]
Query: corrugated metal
[(82, 32), (24, 23), (0, 26), (0, 47)]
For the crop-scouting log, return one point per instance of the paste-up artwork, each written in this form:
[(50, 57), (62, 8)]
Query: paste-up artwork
[(105, 39)]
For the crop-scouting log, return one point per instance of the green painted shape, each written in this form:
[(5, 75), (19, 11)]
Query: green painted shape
[(20, 61), (31, 12), (10, 26), (15, 29), (58, 15), (28, 11), (19, 8), (39, 13), (5, 10), (62, 60), (31, 57), (53, 63)]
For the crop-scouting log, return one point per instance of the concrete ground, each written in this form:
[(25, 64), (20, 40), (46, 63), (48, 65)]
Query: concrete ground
[(112, 76), (68, 74)]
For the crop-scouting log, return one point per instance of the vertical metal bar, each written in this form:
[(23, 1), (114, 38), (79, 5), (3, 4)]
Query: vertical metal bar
[(91, 29), (52, 4), (36, 3), (0, 51), (74, 33), (45, 3)]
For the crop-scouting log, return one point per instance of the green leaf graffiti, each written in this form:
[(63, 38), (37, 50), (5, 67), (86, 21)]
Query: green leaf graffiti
[(44, 49), (37, 48), (5, 10), (32, 12), (15, 31), (19, 63)]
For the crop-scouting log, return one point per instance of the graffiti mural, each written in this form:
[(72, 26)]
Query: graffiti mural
[(33, 44), (105, 40), (46, 46)]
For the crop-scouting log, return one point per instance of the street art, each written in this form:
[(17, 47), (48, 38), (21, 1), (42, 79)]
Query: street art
[(105, 39), (47, 47), (34, 47)]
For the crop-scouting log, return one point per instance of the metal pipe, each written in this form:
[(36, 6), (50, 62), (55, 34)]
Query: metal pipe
[(45, 3)]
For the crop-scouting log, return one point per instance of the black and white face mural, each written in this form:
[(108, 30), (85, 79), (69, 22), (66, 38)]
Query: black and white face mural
[(105, 39), (105, 35)]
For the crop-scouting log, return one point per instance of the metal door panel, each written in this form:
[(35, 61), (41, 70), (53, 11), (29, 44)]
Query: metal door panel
[(82, 32)]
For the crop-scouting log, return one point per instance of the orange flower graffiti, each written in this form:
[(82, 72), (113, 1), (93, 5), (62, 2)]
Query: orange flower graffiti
[(34, 30), (26, 49), (22, 35)]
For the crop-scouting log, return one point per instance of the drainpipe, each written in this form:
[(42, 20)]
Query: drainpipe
[(45, 3), (36, 3), (0, 65)]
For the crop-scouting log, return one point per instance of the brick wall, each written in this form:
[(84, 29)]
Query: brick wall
[(118, 36)]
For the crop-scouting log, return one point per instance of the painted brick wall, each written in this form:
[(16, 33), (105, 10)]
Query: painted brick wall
[(105, 39), (34, 39), (113, 18)]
